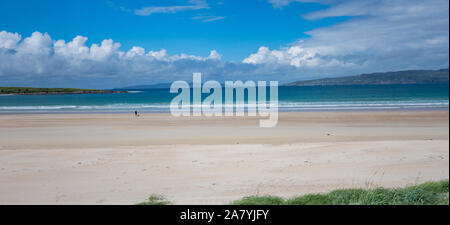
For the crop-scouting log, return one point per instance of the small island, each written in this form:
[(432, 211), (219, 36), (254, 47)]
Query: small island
[(50, 91)]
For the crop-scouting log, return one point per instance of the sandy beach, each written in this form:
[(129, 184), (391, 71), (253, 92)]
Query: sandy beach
[(122, 159)]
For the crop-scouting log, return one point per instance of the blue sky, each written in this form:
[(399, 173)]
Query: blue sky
[(236, 28), (113, 43)]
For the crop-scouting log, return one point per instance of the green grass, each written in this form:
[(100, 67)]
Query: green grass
[(260, 200), (430, 193), (155, 200)]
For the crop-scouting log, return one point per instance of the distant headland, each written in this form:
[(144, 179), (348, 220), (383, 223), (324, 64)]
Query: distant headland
[(50, 91), (398, 77)]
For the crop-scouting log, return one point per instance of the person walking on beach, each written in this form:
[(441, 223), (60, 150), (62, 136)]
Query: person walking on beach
[(136, 113)]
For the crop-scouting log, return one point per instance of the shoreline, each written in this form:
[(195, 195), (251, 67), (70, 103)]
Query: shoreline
[(282, 110)]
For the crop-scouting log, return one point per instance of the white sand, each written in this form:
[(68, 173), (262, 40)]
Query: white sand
[(119, 159)]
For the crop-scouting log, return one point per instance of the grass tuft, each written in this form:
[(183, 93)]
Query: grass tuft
[(430, 193), (155, 200), (259, 200)]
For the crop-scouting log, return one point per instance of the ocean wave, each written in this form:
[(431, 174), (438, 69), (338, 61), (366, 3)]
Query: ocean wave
[(38, 107), (287, 105), (365, 103)]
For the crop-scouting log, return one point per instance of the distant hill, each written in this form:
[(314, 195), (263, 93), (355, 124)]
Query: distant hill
[(49, 91), (398, 77)]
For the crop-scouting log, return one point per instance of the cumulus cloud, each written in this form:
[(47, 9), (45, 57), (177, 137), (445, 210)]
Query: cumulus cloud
[(37, 44), (40, 60), (159, 55), (77, 50), (383, 35), (295, 56), (9, 40)]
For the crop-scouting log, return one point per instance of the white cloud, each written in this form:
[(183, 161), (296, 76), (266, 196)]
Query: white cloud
[(77, 49), (159, 55), (208, 18), (193, 5), (386, 35), (107, 49), (135, 51), (282, 3), (215, 18), (294, 56), (215, 55), (9, 40), (37, 44), (40, 60)]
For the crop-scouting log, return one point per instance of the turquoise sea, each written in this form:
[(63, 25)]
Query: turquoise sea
[(313, 98)]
